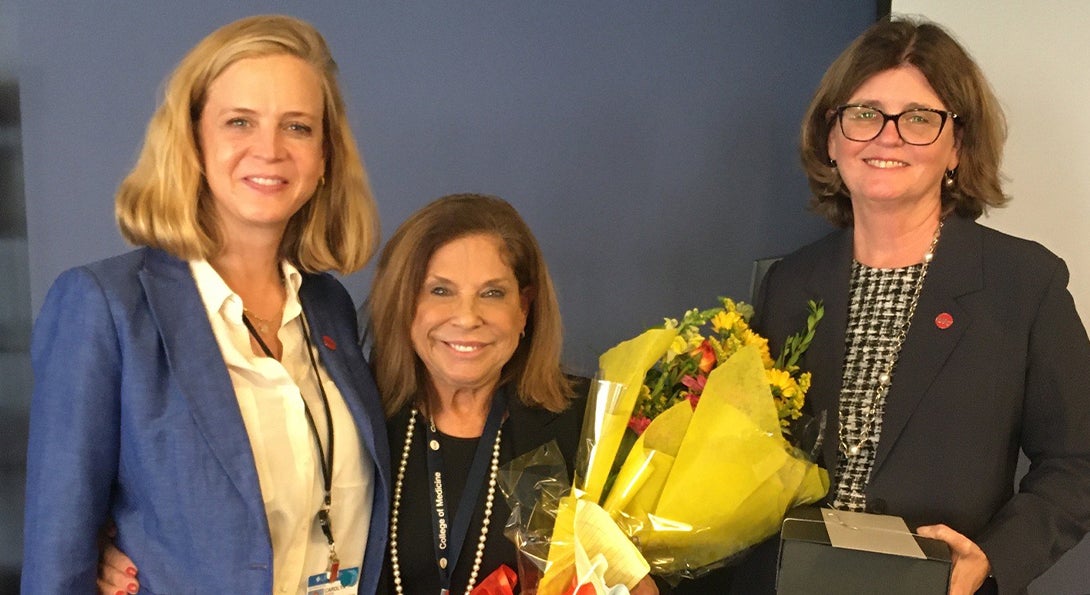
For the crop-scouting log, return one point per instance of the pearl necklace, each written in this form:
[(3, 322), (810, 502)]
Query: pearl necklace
[(885, 378), (489, 497)]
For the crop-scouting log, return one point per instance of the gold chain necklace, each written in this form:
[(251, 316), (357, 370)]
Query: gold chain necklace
[(265, 326), (885, 378), (395, 563)]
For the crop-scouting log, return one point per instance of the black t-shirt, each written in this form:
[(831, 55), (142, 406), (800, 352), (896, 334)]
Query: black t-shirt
[(525, 429), (416, 546)]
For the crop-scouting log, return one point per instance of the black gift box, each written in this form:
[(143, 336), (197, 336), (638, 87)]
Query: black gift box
[(810, 565)]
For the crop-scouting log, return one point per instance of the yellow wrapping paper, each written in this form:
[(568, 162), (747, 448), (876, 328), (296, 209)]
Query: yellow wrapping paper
[(585, 533), (624, 366), (732, 479), (697, 486)]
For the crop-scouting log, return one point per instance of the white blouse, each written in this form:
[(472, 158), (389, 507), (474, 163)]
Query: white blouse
[(270, 396)]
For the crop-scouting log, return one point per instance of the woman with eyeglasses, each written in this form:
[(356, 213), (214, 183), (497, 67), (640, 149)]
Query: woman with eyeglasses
[(946, 346)]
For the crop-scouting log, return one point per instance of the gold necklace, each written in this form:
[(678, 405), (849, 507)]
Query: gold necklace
[(885, 378), (265, 326)]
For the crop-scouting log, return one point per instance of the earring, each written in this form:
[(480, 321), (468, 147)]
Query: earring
[(948, 180), (522, 335), (321, 181), (832, 163)]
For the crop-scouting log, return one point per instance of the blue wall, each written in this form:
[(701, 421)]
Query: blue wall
[(651, 146)]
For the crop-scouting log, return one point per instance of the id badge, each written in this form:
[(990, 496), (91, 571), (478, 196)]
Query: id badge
[(346, 583)]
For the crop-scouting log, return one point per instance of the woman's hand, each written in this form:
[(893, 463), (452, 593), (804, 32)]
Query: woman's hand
[(971, 566), (646, 586), (116, 572)]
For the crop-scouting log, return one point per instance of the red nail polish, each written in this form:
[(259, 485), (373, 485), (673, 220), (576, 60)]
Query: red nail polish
[(130, 571), (120, 593), (132, 587)]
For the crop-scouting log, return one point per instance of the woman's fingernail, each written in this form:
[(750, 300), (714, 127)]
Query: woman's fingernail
[(132, 587), (120, 593), (131, 571)]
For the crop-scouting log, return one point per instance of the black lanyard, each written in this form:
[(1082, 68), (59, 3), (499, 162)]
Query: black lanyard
[(449, 538), (325, 462)]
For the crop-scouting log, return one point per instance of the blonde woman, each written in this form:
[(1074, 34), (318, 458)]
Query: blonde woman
[(205, 391)]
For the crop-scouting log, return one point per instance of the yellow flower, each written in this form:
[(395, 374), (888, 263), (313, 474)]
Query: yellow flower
[(751, 338), (782, 382), (804, 382), (678, 347), (693, 339), (786, 392), (725, 321)]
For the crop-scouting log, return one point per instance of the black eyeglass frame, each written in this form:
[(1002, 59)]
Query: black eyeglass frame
[(944, 115)]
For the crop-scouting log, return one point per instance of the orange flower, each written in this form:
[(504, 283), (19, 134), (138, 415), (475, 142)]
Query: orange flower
[(706, 355)]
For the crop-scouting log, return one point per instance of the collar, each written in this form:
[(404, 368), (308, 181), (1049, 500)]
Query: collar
[(221, 300)]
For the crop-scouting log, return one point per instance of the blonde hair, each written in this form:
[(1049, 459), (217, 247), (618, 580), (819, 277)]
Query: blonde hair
[(534, 369), (164, 202), (980, 128)]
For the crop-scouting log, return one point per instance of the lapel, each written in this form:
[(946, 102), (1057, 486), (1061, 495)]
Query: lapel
[(339, 352), (530, 426), (956, 270), (197, 367), (828, 281)]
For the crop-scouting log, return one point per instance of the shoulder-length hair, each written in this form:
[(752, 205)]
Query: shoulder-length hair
[(980, 128), (534, 369), (164, 201)]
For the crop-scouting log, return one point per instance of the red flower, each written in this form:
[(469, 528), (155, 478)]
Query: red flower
[(695, 384), (638, 423)]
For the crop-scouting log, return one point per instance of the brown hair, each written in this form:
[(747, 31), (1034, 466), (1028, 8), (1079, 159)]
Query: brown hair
[(980, 127), (164, 201), (534, 368)]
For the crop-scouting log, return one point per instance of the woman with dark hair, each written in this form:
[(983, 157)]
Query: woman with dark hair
[(946, 346), (466, 351)]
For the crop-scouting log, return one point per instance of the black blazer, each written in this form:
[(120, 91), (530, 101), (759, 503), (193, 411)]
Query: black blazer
[(1011, 372)]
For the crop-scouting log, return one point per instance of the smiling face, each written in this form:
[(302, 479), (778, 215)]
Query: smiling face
[(261, 142), (886, 171), (469, 315)]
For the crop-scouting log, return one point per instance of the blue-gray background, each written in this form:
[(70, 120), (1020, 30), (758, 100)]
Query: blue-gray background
[(650, 145)]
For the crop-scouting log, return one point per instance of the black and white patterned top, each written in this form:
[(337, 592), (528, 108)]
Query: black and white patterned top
[(880, 301)]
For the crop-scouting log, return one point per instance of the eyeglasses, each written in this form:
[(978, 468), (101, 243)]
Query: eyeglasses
[(920, 126)]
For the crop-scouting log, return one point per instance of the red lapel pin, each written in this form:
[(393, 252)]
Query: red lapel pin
[(944, 321), (329, 342)]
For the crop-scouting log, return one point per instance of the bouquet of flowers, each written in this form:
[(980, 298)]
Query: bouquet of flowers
[(686, 447)]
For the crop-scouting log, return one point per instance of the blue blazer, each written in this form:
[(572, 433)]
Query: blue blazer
[(134, 419)]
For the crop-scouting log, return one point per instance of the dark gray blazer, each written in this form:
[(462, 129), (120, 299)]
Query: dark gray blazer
[(1013, 371)]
